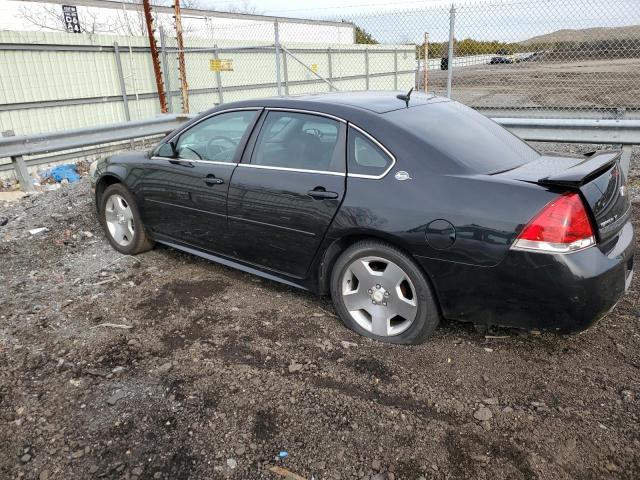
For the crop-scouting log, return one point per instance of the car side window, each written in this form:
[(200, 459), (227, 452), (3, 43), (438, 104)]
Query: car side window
[(215, 139), (300, 141), (365, 157)]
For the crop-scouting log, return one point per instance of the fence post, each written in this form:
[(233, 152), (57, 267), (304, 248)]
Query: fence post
[(123, 87), (165, 68), (276, 31), (286, 73), (218, 77), (20, 167), (452, 21), (395, 69), (330, 66), (366, 68), (425, 60)]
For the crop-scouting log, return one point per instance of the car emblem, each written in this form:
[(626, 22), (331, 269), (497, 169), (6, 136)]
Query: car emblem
[(402, 176), (623, 191)]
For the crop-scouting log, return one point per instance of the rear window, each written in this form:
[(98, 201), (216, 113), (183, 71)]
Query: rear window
[(466, 136)]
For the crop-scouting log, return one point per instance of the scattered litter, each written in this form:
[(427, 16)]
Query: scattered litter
[(113, 325), (283, 454), (283, 472), (35, 231), (486, 349), (3, 221), (66, 172), (499, 337)]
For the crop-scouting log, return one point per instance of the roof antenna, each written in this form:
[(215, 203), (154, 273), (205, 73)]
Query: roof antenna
[(406, 97)]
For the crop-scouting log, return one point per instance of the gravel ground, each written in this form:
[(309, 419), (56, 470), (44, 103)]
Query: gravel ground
[(218, 371)]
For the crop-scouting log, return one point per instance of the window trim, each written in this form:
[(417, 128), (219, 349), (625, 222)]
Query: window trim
[(178, 133), (258, 123), (289, 169), (379, 145)]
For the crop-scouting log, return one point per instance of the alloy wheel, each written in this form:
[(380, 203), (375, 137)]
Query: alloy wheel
[(119, 218), (379, 296)]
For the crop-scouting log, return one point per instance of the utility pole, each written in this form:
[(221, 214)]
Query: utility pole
[(154, 55), (181, 64)]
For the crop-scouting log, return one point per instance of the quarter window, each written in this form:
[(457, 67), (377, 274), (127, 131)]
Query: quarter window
[(365, 157), (300, 141), (215, 139)]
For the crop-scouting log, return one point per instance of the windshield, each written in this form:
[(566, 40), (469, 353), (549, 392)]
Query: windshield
[(465, 136)]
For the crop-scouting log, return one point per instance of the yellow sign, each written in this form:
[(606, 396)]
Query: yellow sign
[(314, 67), (219, 65)]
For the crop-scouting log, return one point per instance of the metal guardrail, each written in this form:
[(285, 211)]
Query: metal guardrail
[(598, 131)]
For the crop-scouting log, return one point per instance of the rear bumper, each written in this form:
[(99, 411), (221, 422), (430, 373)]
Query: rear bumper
[(528, 290)]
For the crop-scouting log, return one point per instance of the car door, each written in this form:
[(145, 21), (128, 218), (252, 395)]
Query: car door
[(187, 178), (287, 189)]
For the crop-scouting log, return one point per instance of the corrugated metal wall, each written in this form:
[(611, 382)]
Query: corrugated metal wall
[(58, 81)]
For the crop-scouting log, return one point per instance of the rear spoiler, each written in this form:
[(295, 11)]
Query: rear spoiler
[(583, 172)]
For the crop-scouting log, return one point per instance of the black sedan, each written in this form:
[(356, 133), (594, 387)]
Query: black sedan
[(405, 210)]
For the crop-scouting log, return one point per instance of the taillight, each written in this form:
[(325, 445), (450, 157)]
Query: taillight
[(563, 226)]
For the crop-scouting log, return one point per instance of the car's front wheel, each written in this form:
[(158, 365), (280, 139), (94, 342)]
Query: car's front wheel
[(381, 293), (121, 221)]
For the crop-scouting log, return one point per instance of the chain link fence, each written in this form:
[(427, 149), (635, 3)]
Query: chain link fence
[(541, 58)]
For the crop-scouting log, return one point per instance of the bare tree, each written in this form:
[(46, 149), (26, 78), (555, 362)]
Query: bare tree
[(129, 20)]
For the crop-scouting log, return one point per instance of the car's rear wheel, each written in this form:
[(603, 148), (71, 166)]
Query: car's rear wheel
[(381, 293), (121, 221)]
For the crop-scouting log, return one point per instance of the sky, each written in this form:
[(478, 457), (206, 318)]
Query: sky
[(402, 21)]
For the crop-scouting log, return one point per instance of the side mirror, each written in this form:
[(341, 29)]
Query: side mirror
[(167, 150)]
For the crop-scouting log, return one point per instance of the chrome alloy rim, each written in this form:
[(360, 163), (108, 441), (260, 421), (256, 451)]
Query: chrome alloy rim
[(379, 296), (119, 218)]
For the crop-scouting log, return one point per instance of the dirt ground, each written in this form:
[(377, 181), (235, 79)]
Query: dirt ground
[(582, 84), (218, 371)]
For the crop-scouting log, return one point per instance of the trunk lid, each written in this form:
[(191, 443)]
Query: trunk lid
[(597, 176)]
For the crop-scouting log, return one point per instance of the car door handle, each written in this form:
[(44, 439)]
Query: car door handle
[(321, 194), (212, 180)]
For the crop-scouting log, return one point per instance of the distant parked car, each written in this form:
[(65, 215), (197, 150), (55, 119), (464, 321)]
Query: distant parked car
[(404, 208), (501, 59)]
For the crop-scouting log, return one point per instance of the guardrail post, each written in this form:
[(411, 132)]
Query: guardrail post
[(218, 77), (165, 68), (20, 167), (276, 31), (366, 68), (452, 22), (123, 87)]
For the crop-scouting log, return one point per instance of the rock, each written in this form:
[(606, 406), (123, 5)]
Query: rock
[(113, 399), (482, 414), (487, 349), (347, 345), (25, 458), (627, 395), (78, 454), (295, 366), (240, 450), (231, 463), (507, 410), (137, 471), (376, 465), (490, 401), (612, 467), (164, 368), (317, 314), (570, 444), (379, 476), (480, 458), (44, 475)]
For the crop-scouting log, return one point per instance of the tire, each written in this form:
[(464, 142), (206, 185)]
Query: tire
[(119, 211), (393, 308)]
